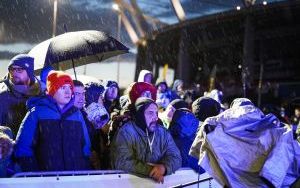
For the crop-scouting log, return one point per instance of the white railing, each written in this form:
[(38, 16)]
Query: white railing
[(107, 178)]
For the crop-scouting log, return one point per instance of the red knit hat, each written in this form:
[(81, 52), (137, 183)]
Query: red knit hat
[(56, 79), (138, 88)]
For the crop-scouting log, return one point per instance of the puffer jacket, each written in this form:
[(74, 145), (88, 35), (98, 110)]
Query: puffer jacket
[(131, 150), (51, 140)]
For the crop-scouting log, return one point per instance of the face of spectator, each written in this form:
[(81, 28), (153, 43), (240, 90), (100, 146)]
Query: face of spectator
[(146, 94), (170, 110), (18, 75), (151, 117), (161, 88), (79, 96), (148, 78), (63, 95), (112, 93), (180, 87)]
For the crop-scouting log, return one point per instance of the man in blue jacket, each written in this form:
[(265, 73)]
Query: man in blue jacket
[(53, 135)]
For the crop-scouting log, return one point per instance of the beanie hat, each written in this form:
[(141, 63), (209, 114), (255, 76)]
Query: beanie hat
[(137, 90), (142, 103), (140, 106), (93, 91), (26, 62), (179, 103), (56, 79), (205, 107)]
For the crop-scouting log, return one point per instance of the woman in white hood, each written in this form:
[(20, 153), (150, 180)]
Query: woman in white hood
[(145, 76)]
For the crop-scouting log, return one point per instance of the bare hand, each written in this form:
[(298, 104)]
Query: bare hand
[(157, 172)]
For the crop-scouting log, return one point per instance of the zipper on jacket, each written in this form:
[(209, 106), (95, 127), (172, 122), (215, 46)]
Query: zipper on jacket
[(62, 143)]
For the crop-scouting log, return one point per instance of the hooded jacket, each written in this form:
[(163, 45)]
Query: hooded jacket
[(51, 139), (131, 150), (142, 75), (135, 146)]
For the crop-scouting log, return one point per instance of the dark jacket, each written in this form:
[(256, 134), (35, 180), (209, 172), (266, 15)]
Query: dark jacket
[(51, 140), (131, 150), (13, 104), (183, 129)]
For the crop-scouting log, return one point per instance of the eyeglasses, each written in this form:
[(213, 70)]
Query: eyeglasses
[(17, 69)]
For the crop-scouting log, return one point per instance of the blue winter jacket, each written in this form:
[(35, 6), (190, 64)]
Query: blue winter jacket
[(52, 140), (183, 129)]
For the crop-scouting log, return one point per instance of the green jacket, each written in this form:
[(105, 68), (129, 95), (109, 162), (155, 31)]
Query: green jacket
[(131, 150)]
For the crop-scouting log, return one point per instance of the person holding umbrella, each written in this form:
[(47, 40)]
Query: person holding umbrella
[(53, 135)]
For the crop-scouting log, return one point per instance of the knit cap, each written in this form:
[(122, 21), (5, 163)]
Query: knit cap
[(205, 107), (26, 62), (56, 79)]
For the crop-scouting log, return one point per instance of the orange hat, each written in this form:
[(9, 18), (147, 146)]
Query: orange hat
[(56, 79)]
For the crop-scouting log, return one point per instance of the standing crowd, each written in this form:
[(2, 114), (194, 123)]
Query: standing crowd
[(59, 124)]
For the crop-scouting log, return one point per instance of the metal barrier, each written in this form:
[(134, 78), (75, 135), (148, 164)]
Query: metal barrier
[(194, 183), (106, 178), (67, 173)]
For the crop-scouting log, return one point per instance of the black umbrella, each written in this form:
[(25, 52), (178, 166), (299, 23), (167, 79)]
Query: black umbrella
[(73, 49)]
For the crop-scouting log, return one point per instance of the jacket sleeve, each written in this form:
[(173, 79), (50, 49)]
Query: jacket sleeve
[(124, 156), (25, 142), (197, 143), (171, 158), (281, 162)]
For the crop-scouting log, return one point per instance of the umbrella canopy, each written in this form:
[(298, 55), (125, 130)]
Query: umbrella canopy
[(74, 49)]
